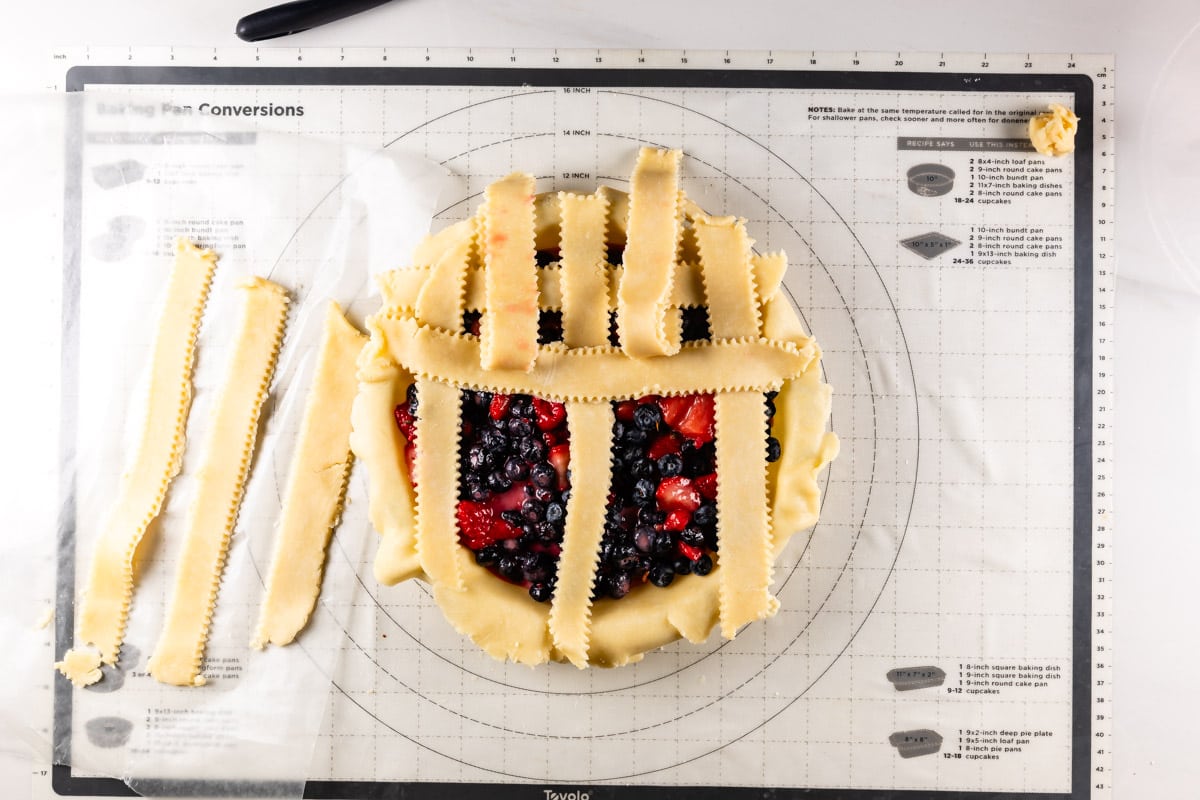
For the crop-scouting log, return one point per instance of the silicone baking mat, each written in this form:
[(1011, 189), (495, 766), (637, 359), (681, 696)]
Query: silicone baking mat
[(943, 627)]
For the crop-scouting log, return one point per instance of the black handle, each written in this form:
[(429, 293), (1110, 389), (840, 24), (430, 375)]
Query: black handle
[(294, 17)]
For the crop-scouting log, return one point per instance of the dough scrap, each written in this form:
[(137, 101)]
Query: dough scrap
[(220, 484), (81, 667), (105, 604), (1053, 132), (316, 482)]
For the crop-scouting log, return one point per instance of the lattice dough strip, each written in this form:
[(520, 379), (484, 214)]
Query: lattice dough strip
[(441, 298), (745, 555), (509, 329), (590, 426), (650, 255), (317, 477), (105, 604), (583, 273), (220, 483), (438, 421), (728, 278)]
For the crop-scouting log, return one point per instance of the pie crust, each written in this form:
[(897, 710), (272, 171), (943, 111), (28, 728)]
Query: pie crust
[(220, 482), (104, 606), (674, 255)]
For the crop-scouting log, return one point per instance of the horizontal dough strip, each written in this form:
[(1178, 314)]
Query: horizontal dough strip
[(597, 373), (401, 288)]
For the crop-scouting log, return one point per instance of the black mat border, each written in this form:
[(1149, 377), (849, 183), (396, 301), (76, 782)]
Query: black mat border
[(1080, 85)]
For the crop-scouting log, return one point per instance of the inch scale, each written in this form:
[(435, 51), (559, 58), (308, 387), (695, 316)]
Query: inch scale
[(967, 66)]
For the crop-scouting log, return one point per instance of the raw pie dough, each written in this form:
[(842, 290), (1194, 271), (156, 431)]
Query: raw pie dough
[(674, 255), (105, 604), (1053, 132), (222, 476), (316, 483)]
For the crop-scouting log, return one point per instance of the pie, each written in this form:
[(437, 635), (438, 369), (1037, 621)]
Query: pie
[(590, 422)]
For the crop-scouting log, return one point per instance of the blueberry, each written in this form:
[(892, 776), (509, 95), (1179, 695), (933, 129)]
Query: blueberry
[(629, 453), (662, 542), (532, 510), (625, 558), (703, 565), (510, 568), (410, 395), (566, 495), (555, 512), (545, 532), (532, 449), (661, 574), (643, 538), (692, 536), (619, 585), (512, 517), (477, 458), (510, 545), (634, 436), (670, 465), (515, 469), (543, 495), (519, 428), (486, 557), (705, 515), (535, 567), (493, 440), (478, 493), (773, 451), (648, 417), (497, 482), (643, 492), (770, 407), (644, 468), (543, 474), (694, 463), (681, 566), (651, 516), (540, 592)]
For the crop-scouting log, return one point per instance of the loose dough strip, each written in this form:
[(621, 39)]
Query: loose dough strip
[(438, 423), (583, 272), (590, 425), (105, 603), (220, 482), (598, 373), (655, 220), (728, 279), (441, 299), (743, 517), (509, 329), (317, 480)]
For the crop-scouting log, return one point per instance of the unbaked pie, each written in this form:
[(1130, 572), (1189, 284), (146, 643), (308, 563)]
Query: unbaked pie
[(590, 422)]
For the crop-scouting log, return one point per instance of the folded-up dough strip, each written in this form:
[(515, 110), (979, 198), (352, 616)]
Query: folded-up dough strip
[(509, 329), (105, 604), (590, 426), (655, 221), (582, 271), (220, 482), (728, 278), (440, 301), (746, 555), (316, 482), (595, 373), (438, 420)]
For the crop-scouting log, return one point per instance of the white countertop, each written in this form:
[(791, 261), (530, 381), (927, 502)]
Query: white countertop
[(1159, 289)]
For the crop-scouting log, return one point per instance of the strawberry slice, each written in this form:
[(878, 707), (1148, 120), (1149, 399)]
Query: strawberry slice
[(697, 423), (707, 485), (677, 494), (625, 410), (677, 520), (510, 500), (479, 525), (499, 406), (674, 408), (406, 422), (549, 414), (560, 458), (689, 552), (667, 443)]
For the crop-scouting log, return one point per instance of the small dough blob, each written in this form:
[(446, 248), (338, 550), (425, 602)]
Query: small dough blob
[(1053, 132), (82, 667)]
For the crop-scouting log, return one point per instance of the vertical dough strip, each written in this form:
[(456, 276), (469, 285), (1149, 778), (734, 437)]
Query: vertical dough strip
[(438, 421), (316, 482), (509, 328), (220, 483), (583, 277), (105, 604)]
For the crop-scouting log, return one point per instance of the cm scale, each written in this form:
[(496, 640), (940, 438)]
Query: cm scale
[(871, 75)]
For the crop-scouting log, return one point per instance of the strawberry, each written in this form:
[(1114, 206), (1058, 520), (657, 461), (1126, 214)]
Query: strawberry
[(549, 414), (677, 493), (499, 406), (406, 422), (677, 520), (689, 552), (707, 485), (674, 409), (480, 526), (625, 410), (667, 443), (697, 423), (510, 500), (560, 457)]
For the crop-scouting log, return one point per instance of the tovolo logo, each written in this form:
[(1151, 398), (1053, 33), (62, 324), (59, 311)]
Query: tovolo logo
[(576, 795)]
